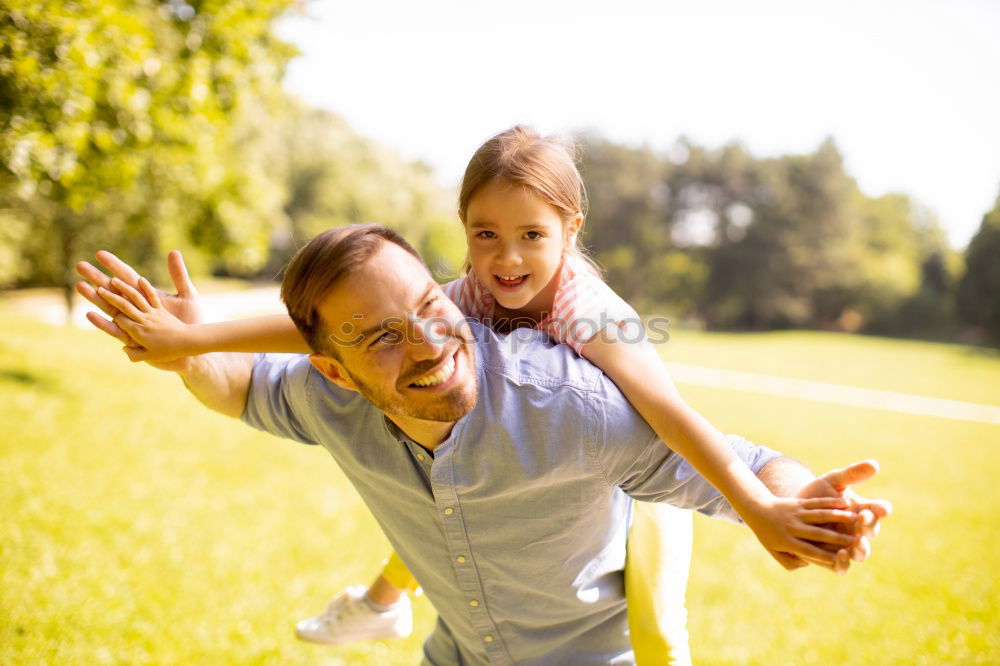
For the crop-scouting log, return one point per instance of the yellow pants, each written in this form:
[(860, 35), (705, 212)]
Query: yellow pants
[(398, 575), (656, 573)]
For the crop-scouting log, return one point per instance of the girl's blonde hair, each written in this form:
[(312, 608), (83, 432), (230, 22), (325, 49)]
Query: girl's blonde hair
[(522, 156)]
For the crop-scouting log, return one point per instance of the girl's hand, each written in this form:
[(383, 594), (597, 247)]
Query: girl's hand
[(142, 316), (837, 483), (797, 532)]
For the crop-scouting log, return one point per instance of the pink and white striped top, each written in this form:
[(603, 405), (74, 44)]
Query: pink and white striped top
[(583, 306)]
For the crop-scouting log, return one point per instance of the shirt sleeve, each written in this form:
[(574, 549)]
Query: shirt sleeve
[(584, 307), (632, 457), (277, 401), (453, 290)]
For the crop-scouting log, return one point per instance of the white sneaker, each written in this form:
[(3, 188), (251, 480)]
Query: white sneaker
[(349, 618)]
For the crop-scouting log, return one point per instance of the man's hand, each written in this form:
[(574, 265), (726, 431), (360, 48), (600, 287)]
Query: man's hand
[(183, 305), (220, 381), (837, 483)]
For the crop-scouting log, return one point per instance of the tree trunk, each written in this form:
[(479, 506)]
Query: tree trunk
[(68, 258)]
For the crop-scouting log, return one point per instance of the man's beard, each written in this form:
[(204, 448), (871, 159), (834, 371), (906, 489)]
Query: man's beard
[(451, 406)]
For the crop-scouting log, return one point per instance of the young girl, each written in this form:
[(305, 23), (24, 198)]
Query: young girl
[(522, 205)]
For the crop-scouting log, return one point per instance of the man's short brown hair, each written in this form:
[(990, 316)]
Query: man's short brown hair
[(316, 268)]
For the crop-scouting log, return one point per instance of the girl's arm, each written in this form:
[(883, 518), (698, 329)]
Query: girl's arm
[(164, 337), (783, 525)]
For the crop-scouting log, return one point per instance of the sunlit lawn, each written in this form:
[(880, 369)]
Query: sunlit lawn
[(141, 528)]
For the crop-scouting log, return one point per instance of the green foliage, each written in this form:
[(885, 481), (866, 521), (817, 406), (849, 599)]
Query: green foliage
[(148, 126), (115, 116), (628, 218), (333, 176), (979, 289), (746, 243)]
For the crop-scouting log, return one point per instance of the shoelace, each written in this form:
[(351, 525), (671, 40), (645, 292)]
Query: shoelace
[(336, 610)]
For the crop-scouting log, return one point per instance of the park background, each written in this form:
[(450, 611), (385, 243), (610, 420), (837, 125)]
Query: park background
[(141, 529)]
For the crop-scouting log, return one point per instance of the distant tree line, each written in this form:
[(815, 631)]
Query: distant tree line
[(148, 125), (741, 243)]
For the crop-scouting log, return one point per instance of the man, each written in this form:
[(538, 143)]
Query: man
[(499, 468)]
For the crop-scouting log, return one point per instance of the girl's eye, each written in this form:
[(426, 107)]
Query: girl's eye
[(533, 235), (486, 235)]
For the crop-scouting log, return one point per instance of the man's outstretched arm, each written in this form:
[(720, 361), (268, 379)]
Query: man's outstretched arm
[(219, 381)]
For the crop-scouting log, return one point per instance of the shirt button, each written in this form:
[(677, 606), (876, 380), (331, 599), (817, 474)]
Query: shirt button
[(421, 457), (473, 603), (449, 511), (460, 559), (488, 638)]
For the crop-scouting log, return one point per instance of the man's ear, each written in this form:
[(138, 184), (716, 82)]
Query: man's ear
[(333, 370)]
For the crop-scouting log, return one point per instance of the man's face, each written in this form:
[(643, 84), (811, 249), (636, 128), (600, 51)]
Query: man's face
[(402, 343)]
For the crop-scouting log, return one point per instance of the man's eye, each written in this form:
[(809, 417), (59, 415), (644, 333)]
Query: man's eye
[(387, 339)]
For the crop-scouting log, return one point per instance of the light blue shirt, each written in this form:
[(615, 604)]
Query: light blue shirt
[(515, 526)]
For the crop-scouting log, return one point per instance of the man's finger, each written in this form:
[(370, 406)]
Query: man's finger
[(842, 478), (88, 292), (880, 508), (119, 268), (109, 327), (179, 275), (92, 274)]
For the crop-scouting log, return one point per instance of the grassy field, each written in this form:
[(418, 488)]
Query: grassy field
[(141, 528)]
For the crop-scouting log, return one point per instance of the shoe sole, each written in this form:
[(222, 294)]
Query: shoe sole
[(352, 638)]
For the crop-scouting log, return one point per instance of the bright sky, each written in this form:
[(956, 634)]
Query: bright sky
[(910, 89)]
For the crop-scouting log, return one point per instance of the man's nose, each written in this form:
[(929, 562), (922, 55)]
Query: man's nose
[(427, 337)]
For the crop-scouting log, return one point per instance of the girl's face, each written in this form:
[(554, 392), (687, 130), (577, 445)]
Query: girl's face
[(516, 245)]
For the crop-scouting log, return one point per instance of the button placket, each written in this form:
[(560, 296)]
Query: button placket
[(456, 537)]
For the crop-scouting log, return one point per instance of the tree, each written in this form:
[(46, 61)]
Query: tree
[(629, 219), (794, 264), (115, 126), (332, 176), (979, 289), (750, 243)]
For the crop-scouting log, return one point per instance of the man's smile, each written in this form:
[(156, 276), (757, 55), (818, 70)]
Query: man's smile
[(440, 375)]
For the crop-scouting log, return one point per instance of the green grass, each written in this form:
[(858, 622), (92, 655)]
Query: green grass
[(933, 369), (141, 528)]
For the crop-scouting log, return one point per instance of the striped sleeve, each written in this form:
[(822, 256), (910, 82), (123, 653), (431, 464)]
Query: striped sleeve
[(455, 290), (583, 307), (471, 297)]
